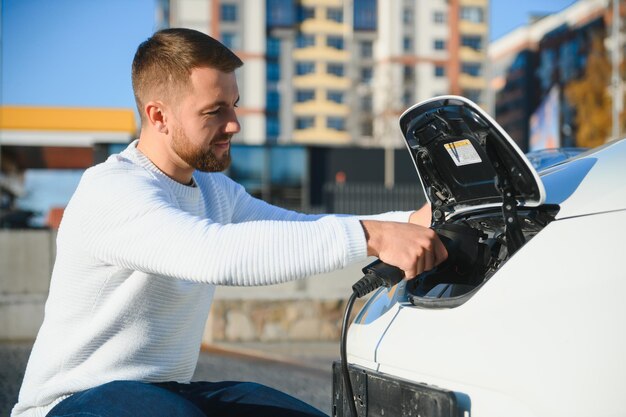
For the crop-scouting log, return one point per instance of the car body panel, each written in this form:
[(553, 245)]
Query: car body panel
[(592, 183), (542, 337)]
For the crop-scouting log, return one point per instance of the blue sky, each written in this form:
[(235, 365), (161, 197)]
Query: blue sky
[(507, 15), (79, 52), (71, 52)]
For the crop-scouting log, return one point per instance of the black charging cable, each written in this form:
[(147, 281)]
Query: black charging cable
[(377, 274)]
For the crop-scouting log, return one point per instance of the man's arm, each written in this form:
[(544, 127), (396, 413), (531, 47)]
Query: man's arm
[(410, 246)]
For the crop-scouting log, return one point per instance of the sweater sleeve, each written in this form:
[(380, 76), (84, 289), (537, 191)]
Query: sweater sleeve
[(129, 221)]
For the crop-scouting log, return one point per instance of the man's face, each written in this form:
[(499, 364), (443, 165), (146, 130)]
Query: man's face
[(205, 120)]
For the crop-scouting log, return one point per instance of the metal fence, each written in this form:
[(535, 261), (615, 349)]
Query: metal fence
[(372, 198)]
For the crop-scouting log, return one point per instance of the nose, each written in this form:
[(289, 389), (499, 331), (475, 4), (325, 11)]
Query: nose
[(232, 125)]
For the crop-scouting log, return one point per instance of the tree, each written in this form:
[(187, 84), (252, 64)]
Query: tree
[(590, 96)]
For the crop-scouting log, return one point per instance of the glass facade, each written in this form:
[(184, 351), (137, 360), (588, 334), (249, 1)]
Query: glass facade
[(280, 13), (365, 15), (273, 71), (273, 47)]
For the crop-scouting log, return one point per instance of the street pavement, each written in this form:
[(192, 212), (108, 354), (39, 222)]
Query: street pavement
[(301, 369)]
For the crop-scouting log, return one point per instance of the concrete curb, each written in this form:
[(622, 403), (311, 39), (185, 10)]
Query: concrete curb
[(263, 355)]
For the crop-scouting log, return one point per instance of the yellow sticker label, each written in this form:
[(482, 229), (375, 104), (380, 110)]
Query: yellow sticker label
[(463, 152)]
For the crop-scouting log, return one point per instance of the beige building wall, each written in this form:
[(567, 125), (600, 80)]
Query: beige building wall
[(314, 117)]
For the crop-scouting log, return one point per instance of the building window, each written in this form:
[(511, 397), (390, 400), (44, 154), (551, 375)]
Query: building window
[(367, 49), (273, 71), (366, 103), (367, 74), (440, 71), (273, 47), (273, 100), (280, 13), (337, 123), (305, 13), (439, 44), (303, 68), (304, 41), (335, 69), (304, 95), (231, 40), (407, 16), (472, 94), (439, 17), (365, 15), (335, 96), (471, 68), (272, 127), (335, 14), (407, 44), (408, 73), (407, 98), (305, 122), (335, 42), (228, 12), (474, 42), (473, 14), (367, 127)]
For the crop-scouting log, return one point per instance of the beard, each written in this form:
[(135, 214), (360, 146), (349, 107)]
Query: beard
[(201, 159)]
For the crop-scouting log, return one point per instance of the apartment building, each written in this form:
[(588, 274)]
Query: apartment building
[(339, 72), (427, 48), (530, 68)]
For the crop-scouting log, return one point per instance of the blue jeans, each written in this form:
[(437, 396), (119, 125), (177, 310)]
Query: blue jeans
[(171, 399)]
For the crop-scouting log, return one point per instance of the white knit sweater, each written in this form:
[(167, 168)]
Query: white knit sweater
[(138, 258)]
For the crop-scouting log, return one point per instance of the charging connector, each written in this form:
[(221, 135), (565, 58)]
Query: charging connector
[(377, 274)]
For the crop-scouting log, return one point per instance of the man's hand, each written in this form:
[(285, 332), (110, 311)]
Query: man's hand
[(408, 246), (422, 217)]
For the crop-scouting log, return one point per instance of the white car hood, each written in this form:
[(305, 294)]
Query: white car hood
[(594, 182)]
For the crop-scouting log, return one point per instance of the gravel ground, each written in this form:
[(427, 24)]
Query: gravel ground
[(13, 358)]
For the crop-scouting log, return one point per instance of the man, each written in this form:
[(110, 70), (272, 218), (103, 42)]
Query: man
[(150, 232)]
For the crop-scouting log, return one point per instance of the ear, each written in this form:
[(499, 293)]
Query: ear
[(155, 116)]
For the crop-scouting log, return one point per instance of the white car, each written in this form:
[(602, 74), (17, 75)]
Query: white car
[(528, 315)]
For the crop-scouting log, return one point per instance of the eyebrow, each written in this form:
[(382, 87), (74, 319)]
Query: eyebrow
[(219, 103)]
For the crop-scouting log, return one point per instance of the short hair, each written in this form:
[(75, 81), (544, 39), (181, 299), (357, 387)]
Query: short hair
[(163, 63)]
